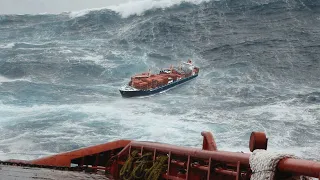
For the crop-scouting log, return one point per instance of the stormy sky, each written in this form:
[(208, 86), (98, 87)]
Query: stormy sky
[(52, 6)]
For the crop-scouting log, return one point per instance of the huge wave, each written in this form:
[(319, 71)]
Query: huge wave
[(259, 71)]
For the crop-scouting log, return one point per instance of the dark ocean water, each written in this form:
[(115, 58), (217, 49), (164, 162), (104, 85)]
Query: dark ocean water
[(259, 71)]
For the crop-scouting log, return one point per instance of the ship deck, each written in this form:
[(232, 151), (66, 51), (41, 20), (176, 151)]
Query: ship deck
[(8, 172)]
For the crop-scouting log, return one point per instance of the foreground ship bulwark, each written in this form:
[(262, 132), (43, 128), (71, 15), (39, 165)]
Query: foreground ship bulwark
[(125, 159), (147, 84)]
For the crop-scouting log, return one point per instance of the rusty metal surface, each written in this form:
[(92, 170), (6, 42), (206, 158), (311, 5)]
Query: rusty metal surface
[(191, 163), (231, 159), (64, 159), (208, 142), (31, 173), (258, 140), (183, 162), (223, 156), (300, 166)]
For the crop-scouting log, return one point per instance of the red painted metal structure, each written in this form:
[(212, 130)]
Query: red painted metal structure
[(183, 162), (83, 156)]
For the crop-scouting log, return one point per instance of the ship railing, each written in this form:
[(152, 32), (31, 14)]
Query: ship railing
[(182, 162), (209, 163)]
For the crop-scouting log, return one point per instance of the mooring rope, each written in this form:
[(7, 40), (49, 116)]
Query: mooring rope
[(125, 172), (143, 167), (158, 167)]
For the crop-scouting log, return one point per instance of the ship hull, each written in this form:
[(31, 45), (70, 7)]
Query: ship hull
[(128, 94), (198, 163)]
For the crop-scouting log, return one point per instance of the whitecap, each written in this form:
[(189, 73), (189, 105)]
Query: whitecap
[(136, 7)]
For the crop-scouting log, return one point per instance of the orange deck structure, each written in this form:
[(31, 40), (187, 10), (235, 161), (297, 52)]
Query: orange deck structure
[(178, 163)]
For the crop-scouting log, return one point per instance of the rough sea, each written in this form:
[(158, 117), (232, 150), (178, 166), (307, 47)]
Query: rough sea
[(259, 71)]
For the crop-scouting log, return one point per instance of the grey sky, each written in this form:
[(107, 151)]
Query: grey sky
[(52, 6)]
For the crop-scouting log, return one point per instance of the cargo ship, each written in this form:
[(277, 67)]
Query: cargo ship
[(130, 159), (145, 84)]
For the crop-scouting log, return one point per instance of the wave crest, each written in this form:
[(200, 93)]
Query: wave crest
[(137, 7)]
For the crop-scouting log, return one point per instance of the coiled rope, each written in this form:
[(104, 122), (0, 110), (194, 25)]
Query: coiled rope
[(144, 163), (158, 167), (143, 167), (125, 172)]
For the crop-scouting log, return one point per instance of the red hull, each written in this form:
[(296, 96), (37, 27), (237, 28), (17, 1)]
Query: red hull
[(181, 163)]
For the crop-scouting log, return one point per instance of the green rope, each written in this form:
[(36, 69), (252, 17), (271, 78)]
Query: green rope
[(125, 172), (145, 162), (158, 167), (143, 167)]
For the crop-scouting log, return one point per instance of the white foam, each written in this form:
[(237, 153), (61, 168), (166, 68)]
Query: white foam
[(83, 12), (284, 112), (133, 115), (147, 120), (25, 44), (7, 46), (21, 148), (67, 51), (4, 79), (137, 7), (96, 59)]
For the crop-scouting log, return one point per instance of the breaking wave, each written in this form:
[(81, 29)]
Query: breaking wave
[(259, 71)]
